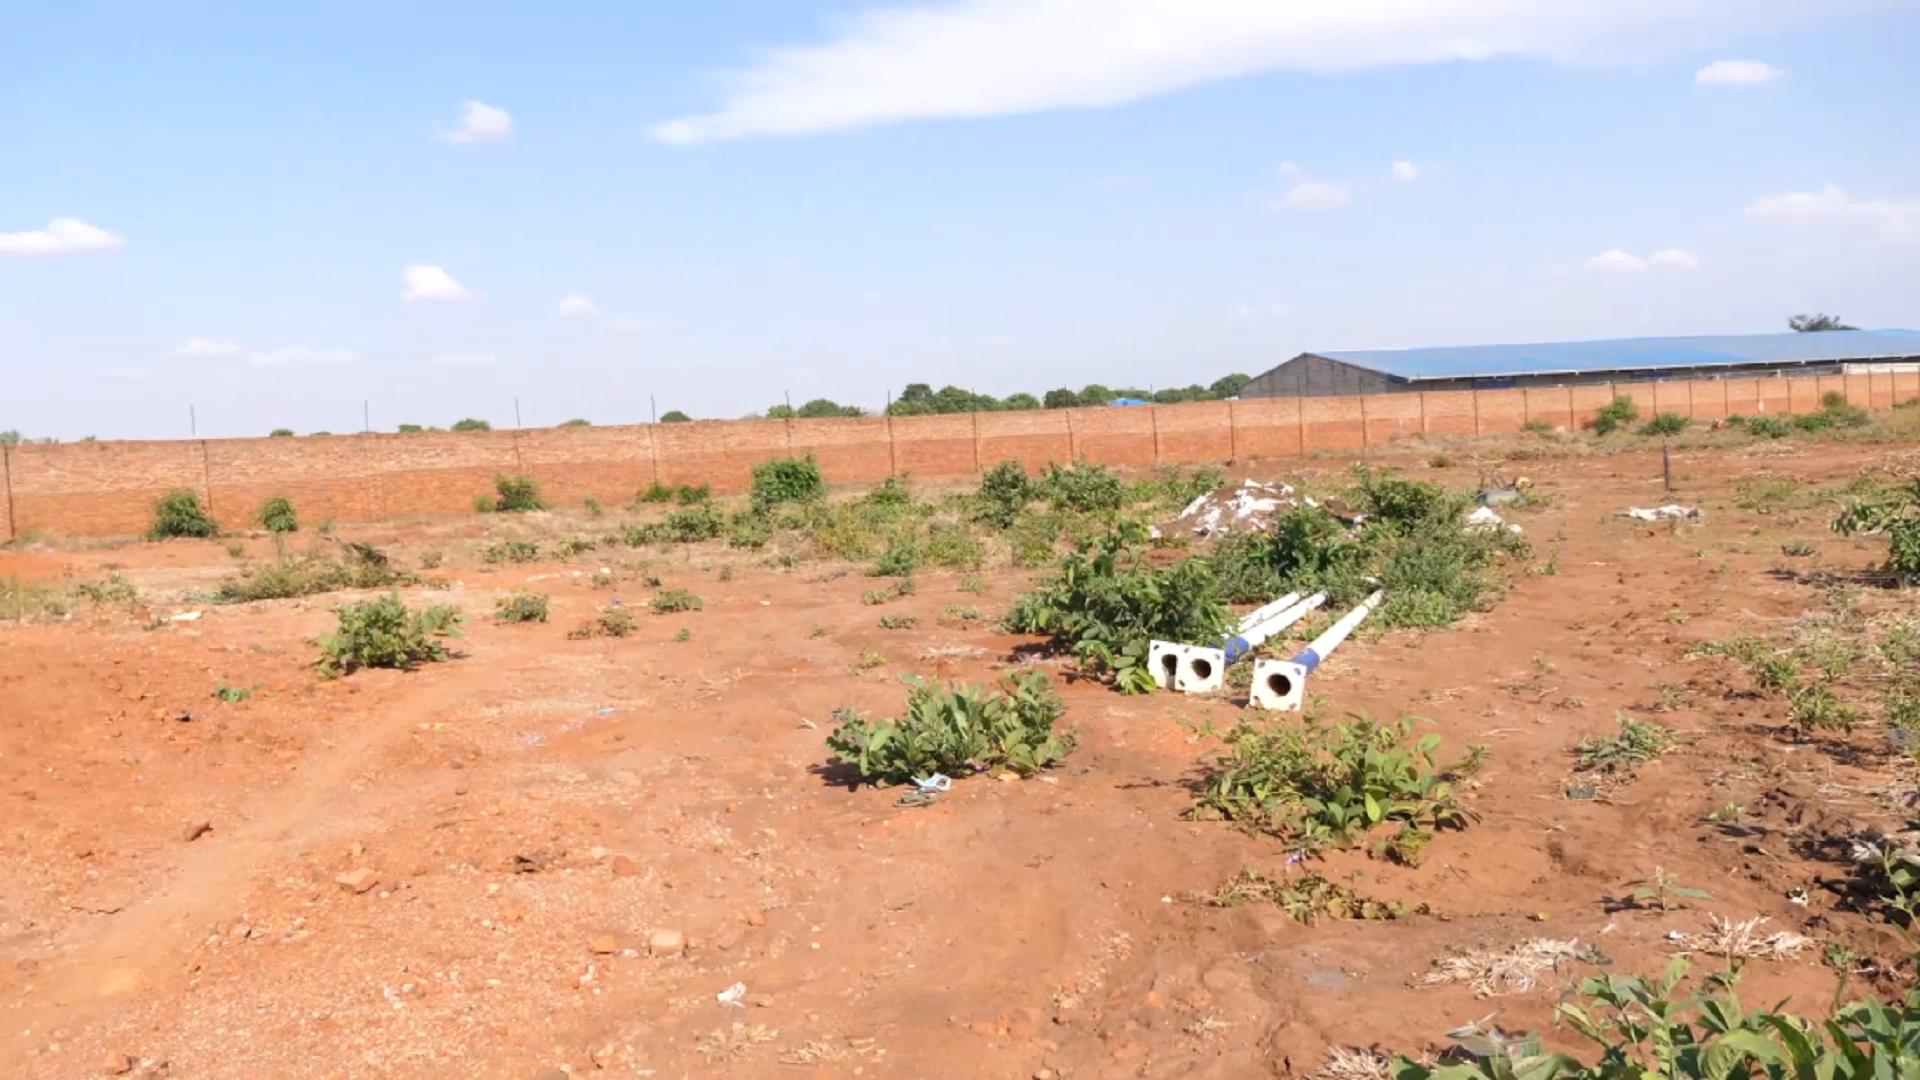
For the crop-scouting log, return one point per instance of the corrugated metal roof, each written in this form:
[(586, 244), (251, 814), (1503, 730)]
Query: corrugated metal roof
[(1630, 354)]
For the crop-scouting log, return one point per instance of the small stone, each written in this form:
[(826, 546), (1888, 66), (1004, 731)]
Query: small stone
[(666, 943), (603, 1056), (195, 830), (356, 849), (358, 880), (117, 1064), (624, 866), (756, 918), (1043, 1073), (604, 944)]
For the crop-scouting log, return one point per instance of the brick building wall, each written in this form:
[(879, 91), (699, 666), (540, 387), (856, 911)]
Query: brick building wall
[(108, 488)]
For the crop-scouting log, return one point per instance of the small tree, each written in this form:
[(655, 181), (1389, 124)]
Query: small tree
[(1227, 386), (1061, 398), (517, 495), (1020, 402), (1813, 324), (1614, 414), (472, 424), (178, 513), (1096, 394), (383, 633), (675, 416), (277, 515), (409, 429), (577, 422), (787, 480), (281, 433)]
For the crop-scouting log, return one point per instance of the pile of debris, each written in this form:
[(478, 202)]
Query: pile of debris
[(1251, 507)]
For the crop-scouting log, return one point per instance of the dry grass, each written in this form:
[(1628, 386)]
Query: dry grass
[(732, 1042), (1513, 970), (1344, 1063), (1740, 940)]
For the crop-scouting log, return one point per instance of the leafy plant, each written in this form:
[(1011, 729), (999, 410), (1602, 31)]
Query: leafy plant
[(521, 606), (902, 557), (471, 424), (1084, 486), (511, 551), (873, 597), (517, 495), (232, 695), (674, 600), (1894, 514), (277, 515), (1107, 602), (111, 591), (1768, 427), (1308, 898), (787, 480), (178, 513), (609, 621), (1005, 490), (899, 622), (1614, 415), (956, 730), (684, 634), (383, 633), (1315, 786), (1666, 423), (1636, 743), (1661, 891)]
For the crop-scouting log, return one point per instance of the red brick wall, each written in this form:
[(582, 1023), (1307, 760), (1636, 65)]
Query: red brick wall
[(108, 488)]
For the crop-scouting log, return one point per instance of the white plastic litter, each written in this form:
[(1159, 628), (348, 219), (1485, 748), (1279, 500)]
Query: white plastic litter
[(1252, 505), (186, 616), (1669, 512), (1485, 520), (733, 995), (936, 782)]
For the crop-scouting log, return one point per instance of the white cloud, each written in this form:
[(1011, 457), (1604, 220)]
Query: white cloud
[(1737, 73), (463, 359), (123, 373), (576, 306), (481, 122), (1831, 206), (1616, 261), (999, 57), (432, 283), (1315, 195), (61, 236), (301, 356), (1290, 169), (1406, 171), (199, 346)]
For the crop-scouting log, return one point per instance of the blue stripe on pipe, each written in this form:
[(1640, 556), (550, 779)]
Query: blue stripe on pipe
[(1236, 648), (1308, 659)]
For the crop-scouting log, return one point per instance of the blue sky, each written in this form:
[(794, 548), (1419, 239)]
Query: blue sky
[(273, 214)]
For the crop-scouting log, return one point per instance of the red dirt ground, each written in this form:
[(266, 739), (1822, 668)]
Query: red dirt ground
[(534, 809)]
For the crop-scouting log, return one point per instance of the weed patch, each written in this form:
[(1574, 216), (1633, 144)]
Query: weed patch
[(1308, 899), (675, 600), (1636, 743), (957, 730), (382, 633), (179, 513), (277, 515), (787, 480), (516, 495), (521, 607)]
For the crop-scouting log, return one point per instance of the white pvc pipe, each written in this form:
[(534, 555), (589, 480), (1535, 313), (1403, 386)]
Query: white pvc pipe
[(1251, 638), (1264, 612), (1329, 640), (1282, 684)]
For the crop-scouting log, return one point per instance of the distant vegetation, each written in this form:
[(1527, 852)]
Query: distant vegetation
[(675, 416), (471, 424), (1807, 324), (178, 513), (920, 399)]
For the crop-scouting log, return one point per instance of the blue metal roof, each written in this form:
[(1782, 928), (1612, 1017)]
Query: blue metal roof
[(1631, 354)]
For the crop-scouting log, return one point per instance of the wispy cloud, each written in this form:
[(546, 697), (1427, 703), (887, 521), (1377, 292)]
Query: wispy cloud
[(62, 236), (481, 123), (1616, 261), (1315, 195), (576, 306), (207, 347), (432, 283), (463, 359), (995, 57), (1833, 207), (1737, 73), (1406, 172), (301, 356)]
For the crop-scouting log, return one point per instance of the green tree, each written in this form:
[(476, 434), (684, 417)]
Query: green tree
[(821, 407), (780, 412), (409, 429), (1095, 394), (675, 416), (577, 422), (1062, 398), (1807, 324), (1227, 386), (281, 433), (1020, 402), (471, 424)]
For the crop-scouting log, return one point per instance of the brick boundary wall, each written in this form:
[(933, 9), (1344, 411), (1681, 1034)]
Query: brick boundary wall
[(108, 488)]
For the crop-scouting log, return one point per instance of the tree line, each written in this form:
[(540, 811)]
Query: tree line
[(921, 399)]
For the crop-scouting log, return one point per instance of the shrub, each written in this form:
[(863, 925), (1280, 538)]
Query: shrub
[(672, 600), (522, 606), (1537, 427), (517, 495), (577, 422), (1004, 491), (610, 621), (281, 433), (1666, 423), (593, 507), (1895, 514), (112, 590), (1768, 427), (178, 513), (1107, 602), (1085, 486), (1034, 538), (483, 504), (1615, 414), (574, 545), (902, 557), (899, 622), (749, 530), (1638, 742), (1316, 787), (684, 494), (382, 633), (286, 577), (675, 416), (957, 730), (511, 551), (471, 424), (787, 480), (409, 429), (430, 560), (277, 515)]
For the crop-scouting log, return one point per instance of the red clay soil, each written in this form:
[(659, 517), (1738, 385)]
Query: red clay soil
[(534, 815)]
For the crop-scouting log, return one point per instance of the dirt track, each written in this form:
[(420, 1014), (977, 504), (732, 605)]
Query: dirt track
[(536, 808)]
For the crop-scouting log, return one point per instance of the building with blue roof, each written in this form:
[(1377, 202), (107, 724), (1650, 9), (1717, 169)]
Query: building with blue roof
[(1329, 372)]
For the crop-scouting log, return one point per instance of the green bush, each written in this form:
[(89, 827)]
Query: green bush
[(1768, 427), (956, 731), (1316, 787), (471, 424), (672, 600), (382, 633), (286, 577), (901, 558), (684, 494), (522, 606), (787, 480), (1005, 490), (1666, 423), (511, 551), (609, 621), (1615, 414), (955, 547), (1107, 602), (1638, 742), (1171, 488), (277, 515), (1085, 486), (178, 513), (281, 433), (1895, 514), (749, 530), (517, 495)]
